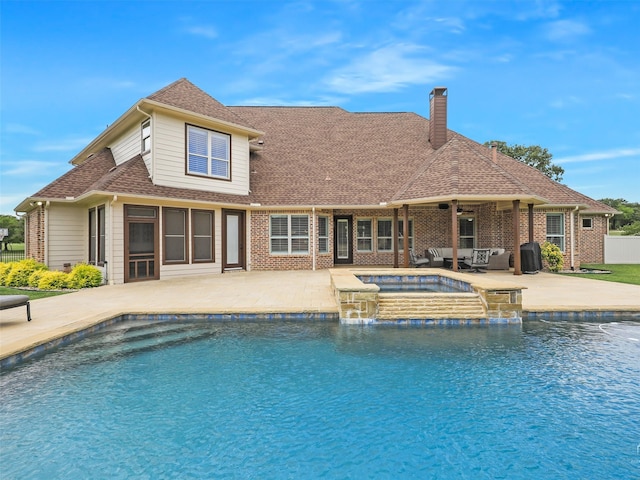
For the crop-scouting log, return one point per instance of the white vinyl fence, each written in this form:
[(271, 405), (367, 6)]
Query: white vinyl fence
[(621, 249)]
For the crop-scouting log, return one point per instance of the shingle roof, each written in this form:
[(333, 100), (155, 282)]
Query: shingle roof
[(326, 156), (100, 174), (184, 94)]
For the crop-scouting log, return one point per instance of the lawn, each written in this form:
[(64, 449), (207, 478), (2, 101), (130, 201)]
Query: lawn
[(32, 294), (619, 273)]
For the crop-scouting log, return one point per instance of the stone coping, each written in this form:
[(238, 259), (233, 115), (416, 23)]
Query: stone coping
[(346, 279)]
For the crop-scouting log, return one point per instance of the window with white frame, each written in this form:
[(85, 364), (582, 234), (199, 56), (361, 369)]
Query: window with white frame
[(97, 228), (401, 234), (175, 235), (466, 232), (587, 223), (289, 234), (385, 235), (364, 235), (555, 229), (146, 136), (323, 234), (208, 153)]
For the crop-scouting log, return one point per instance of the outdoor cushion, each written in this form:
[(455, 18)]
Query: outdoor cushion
[(11, 301)]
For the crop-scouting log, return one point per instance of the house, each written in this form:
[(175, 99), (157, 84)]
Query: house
[(183, 185)]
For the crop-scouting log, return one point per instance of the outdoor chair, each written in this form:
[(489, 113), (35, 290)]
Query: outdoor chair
[(417, 261), (479, 259)]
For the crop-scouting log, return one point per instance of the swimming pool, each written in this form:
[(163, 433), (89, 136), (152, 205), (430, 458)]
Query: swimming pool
[(306, 400)]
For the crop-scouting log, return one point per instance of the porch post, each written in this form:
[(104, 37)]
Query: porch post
[(517, 267), (454, 234), (405, 234), (395, 238), (530, 222)]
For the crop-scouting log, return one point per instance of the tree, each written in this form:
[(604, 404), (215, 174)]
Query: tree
[(629, 213), (15, 226), (534, 156)]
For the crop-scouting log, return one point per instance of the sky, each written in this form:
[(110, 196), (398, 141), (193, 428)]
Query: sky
[(564, 75)]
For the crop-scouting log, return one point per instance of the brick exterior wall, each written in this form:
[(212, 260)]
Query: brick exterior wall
[(591, 240), (432, 228), (35, 235)]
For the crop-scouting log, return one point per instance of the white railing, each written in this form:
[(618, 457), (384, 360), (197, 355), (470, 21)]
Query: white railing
[(624, 249)]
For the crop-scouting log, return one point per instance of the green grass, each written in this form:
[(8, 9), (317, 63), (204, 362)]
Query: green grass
[(619, 273), (32, 294)]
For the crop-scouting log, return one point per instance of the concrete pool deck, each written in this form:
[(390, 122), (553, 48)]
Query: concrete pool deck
[(269, 292)]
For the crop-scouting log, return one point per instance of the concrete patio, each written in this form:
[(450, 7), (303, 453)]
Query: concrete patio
[(268, 292)]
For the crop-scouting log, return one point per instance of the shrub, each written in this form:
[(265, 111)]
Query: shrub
[(83, 276), (53, 280), (34, 278), (21, 271), (552, 255), (5, 270)]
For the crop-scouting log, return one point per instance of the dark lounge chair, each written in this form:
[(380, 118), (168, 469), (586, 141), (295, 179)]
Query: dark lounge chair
[(11, 301)]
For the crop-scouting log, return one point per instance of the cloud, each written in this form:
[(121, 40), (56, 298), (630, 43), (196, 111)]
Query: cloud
[(202, 31), (66, 145), (22, 129), (31, 168), (598, 156), (388, 69), (566, 30), (281, 102)]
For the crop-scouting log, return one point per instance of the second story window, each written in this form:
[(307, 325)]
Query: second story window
[(146, 136), (208, 153)]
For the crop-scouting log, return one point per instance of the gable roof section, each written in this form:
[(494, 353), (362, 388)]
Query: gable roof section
[(185, 95), (456, 170)]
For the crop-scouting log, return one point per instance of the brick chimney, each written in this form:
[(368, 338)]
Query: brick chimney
[(438, 117)]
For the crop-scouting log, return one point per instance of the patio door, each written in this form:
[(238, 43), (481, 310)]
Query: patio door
[(233, 240), (343, 233), (141, 243)]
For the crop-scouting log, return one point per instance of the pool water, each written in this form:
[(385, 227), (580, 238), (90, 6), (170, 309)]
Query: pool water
[(418, 287), (310, 400)]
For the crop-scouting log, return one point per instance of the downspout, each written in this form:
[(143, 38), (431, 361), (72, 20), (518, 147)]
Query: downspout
[(109, 269), (573, 241), (313, 237)]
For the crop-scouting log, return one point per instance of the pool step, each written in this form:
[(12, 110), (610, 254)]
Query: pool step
[(422, 305), (126, 340)]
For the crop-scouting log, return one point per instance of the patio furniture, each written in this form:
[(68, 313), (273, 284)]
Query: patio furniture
[(499, 259), (417, 261), (438, 256), (479, 259), (11, 301)]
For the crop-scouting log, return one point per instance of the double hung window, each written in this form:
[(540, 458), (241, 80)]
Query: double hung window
[(97, 235), (323, 234), (555, 229), (289, 234), (146, 136), (385, 235), (364, 235), (466, 232), (208, 153)]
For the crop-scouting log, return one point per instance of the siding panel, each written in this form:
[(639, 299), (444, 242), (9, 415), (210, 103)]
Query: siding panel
[(68, 233), (169, 153)]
